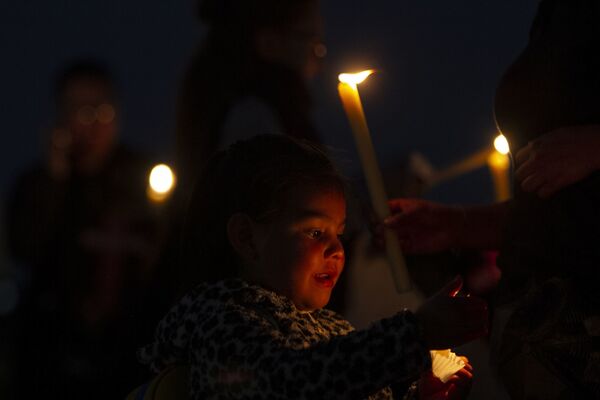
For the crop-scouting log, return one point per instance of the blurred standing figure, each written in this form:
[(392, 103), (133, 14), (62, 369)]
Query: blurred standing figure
[(248, 76), (79, 223)]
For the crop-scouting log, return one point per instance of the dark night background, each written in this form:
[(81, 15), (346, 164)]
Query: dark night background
[(439, 62)]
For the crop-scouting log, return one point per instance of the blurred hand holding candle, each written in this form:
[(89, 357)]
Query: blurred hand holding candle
[(348, 91)]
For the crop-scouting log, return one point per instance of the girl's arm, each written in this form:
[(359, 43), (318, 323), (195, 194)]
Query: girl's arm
[(252, 358)]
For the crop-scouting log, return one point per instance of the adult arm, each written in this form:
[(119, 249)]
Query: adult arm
[(426, 227)]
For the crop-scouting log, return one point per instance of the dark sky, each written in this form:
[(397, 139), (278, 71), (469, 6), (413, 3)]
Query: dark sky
[(439, 63)]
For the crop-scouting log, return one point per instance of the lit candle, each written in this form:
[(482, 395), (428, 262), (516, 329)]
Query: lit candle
[(352, 105), (499, 164), (161, 182)]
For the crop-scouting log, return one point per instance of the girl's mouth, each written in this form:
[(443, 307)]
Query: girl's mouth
[(325, 279)]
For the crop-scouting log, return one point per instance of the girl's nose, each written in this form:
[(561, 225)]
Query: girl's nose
[(335, 248)]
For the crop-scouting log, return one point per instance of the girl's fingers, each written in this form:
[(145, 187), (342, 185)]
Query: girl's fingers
[(464, 374)]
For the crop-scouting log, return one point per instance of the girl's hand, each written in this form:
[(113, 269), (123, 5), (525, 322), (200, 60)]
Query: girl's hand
[(457, 387), (423, 226), (558, 159)]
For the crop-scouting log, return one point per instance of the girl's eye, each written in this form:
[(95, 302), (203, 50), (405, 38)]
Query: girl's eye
[(315, 234)]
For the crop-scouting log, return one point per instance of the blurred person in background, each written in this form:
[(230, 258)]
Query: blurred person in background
[(248, 76), (84, 237)]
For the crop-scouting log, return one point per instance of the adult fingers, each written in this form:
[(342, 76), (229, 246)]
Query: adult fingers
[(533, 182), (401, 204), (548, 189), (524, 170), (523, 154), (397, 218)]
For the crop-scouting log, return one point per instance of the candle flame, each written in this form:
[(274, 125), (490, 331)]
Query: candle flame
[(355, 79), (161, 179), (501, 144)]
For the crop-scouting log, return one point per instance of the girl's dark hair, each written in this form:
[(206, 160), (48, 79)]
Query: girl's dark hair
[(254, 177)]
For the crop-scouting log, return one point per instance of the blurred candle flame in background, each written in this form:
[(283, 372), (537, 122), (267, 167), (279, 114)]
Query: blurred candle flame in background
[(161, 182), (499, 164)]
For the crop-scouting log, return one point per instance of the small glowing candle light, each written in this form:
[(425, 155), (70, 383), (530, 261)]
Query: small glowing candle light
[(160, 182), (348, 91), (499, 164)]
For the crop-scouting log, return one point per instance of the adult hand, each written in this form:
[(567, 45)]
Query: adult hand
[(456, 388), (449, 320), (558, 159), (425, 227)]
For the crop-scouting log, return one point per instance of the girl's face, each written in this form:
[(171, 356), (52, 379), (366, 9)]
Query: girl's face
[(300, 254)]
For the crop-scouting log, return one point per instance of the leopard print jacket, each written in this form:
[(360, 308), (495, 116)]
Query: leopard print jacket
[(245, 342)]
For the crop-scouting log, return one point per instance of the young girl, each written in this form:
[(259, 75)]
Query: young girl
[(264, 226)]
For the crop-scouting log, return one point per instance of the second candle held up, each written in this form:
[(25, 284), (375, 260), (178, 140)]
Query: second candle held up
[(348, 91)]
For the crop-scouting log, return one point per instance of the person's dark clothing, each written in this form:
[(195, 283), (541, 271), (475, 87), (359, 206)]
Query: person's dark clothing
[(243, 341), (87, 246), (550, 258)]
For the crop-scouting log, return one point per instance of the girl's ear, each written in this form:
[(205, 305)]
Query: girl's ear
[(240, 232)]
